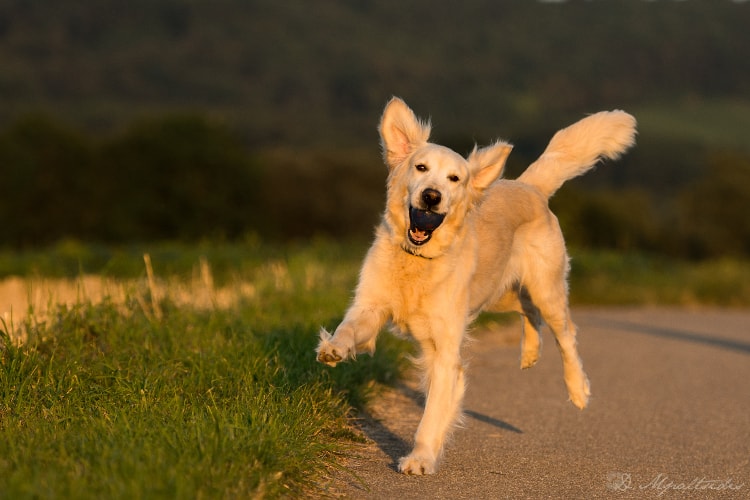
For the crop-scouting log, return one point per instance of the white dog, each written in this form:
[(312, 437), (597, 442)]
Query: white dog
[(455, 240)]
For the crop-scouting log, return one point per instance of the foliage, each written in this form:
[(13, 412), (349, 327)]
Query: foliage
[(621, 220), (280, 141), (180, 176), (45, 184), (186, 178), (303, 73), (714, 220), (319, 193)]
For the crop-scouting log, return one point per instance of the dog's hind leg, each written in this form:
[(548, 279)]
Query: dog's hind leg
[(557, 317), (576, 380), (531, 341), (550, 296), (444, 381), (517, 299)]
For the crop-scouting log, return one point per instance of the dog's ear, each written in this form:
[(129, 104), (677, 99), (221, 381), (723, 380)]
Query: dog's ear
[(401, 132), (487, 164)]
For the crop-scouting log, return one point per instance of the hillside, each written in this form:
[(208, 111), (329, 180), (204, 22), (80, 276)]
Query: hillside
[(186, 119), (319, 72)]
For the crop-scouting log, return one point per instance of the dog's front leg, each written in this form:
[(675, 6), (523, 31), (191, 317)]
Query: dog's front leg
[(444, 380), (356, 333)]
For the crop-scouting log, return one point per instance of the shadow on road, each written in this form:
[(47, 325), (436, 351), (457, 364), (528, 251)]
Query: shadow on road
[(493, 421), (723, 343), (388, 441)]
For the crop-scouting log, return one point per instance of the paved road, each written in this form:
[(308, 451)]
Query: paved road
[(669, 416)]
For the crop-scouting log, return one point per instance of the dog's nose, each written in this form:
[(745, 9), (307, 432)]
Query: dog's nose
[(431, 197)]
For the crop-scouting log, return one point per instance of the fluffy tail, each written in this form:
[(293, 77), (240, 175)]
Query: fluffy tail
[(574, 150)]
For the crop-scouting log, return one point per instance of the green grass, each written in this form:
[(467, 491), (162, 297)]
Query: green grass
[(136, 400), (609, 278), (106, 401)]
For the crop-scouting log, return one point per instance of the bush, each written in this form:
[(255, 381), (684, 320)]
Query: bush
[(178, 177), (46, 183), (713, 211), (606, 218), (185, 177)]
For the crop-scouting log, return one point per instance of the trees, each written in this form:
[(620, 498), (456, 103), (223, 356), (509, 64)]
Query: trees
[(180, 176), (46, 190), (176, 177), (714, 209), (187, 177)]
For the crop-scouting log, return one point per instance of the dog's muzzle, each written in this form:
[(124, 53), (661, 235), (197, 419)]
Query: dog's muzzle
[(422, 223)]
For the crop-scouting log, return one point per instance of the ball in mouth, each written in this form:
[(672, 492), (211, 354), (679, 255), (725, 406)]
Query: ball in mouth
[(422, 223)]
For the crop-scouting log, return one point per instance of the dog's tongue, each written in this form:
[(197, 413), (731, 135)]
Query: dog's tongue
[(418, 236)]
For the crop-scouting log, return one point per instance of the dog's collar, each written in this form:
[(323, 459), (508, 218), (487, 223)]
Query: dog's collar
[(412, 252)]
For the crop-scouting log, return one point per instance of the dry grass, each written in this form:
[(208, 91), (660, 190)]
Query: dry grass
[(36, 298)]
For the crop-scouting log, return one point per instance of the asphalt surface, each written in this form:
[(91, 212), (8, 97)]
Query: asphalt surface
[(669, 416)]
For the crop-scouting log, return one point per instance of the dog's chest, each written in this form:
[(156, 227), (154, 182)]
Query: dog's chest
[(420, 289)]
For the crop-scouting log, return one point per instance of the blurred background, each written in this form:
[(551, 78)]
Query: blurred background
[(187, 120)]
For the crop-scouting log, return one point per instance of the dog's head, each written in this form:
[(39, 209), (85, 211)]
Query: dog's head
[(431, 188)]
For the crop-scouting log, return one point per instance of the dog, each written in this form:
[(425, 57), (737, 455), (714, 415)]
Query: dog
[(455, 240)]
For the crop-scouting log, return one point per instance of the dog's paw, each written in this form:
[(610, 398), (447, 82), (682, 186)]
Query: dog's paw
[(579, 394), (529, 359), (417, 465), (328, 352)]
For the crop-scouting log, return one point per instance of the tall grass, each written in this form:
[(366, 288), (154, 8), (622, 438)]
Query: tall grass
[(112, 400)]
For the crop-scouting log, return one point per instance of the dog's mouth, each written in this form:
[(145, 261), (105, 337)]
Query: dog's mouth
[(422, 223)]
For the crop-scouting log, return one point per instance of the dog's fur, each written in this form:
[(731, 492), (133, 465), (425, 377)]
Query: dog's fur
[(498, 248)]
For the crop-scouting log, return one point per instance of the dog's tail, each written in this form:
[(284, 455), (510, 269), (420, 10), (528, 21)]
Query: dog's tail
[(574, 150)]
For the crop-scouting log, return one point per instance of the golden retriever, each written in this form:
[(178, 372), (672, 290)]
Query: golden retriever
[(456, 240)]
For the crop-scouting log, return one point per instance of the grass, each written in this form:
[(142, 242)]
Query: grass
[(148, 395), (70, 258), (609, 278), (111, 400)]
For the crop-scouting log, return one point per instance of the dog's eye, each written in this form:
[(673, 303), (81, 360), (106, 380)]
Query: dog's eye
[(421, 167), (453, 178)]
